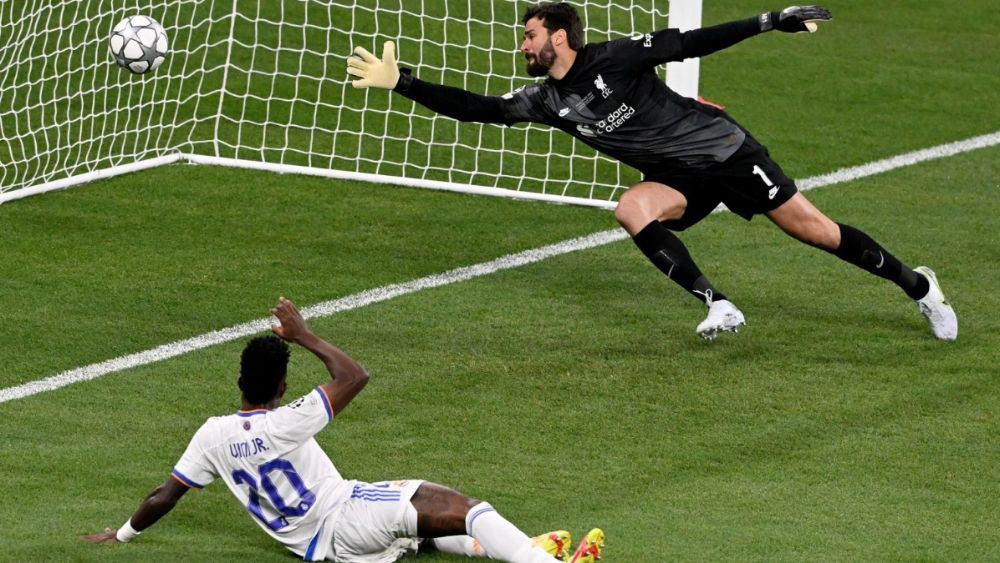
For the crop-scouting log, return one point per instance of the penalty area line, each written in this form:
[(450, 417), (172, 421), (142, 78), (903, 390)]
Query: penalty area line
[(358, 300)]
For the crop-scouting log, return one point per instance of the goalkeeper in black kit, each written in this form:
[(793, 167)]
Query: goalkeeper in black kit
[(692, 155)]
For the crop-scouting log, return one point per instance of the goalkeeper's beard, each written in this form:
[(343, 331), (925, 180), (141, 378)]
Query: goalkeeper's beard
[(540, 64)]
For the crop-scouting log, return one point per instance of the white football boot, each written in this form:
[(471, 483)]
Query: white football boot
[(723, 316), (935, 308)]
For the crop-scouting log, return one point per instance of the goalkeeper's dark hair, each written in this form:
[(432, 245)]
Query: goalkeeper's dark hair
[(556, 16), (263, 366)]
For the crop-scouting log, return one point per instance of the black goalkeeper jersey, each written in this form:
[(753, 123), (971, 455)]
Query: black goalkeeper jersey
[(613, 100)]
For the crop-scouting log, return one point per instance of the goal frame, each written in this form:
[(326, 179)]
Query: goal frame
[(682, 77)]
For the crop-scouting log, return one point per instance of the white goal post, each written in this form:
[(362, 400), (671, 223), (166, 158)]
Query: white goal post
[(261, 85)]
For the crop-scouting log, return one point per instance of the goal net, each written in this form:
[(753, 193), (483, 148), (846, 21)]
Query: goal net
[(261, 84)]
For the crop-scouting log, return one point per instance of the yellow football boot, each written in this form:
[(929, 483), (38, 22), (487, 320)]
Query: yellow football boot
[(556, 544), (590, 547)]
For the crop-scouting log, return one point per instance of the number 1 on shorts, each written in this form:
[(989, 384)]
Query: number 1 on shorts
[(760, 172)]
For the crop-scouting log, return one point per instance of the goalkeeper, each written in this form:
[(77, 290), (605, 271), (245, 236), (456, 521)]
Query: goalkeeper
[(692, 155)]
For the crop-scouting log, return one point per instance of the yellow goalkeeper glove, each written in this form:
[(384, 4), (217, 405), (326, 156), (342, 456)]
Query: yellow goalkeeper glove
[(372, 71)]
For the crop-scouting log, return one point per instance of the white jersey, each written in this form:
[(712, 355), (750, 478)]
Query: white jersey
[(271, 462)]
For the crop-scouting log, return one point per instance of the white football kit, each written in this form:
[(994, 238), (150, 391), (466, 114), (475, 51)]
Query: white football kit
[(273, 465)]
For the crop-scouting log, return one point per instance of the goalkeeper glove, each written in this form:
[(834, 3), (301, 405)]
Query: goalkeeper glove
[(373, 72), (794, 19)]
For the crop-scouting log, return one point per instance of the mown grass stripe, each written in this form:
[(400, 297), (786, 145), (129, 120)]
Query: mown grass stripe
[(507, 262)]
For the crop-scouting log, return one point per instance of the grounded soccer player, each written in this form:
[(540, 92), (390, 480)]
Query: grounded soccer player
[(267, 456), (692, 155)]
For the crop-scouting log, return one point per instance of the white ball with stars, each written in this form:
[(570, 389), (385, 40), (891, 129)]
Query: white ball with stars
[(138, 44)]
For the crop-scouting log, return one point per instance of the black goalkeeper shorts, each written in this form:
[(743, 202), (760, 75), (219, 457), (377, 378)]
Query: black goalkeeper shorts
[(748, 182)]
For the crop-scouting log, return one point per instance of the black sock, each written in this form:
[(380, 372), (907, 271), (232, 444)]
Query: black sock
[(668, 253), (859, 249)]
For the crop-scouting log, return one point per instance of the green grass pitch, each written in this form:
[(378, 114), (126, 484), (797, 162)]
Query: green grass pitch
[(573, 392)]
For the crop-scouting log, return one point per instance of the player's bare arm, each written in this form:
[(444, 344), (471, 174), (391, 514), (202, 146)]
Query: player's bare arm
[(348, 377), (155, 506)]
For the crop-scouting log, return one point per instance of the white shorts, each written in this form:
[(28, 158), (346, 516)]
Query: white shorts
[(377, 524)]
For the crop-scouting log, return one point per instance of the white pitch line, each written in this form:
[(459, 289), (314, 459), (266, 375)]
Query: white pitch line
[(899, 161), (385, 293), (324, 309)]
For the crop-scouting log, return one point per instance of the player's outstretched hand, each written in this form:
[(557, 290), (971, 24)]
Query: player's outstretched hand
[(799, 19), (290, 326), (374, 73), (109, 535)]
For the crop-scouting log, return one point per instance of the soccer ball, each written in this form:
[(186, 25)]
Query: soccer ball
[(139, 44)]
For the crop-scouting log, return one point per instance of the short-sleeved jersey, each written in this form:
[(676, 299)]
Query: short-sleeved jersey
[(273, 465), (613, 100)]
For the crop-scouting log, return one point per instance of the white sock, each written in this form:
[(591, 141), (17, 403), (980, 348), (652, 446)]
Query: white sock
[(501, 539), (459, 545)]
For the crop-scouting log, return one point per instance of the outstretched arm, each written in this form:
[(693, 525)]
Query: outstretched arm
[(452, 102), (156, 505), (672, 45), (707, 40), (348, 378)]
